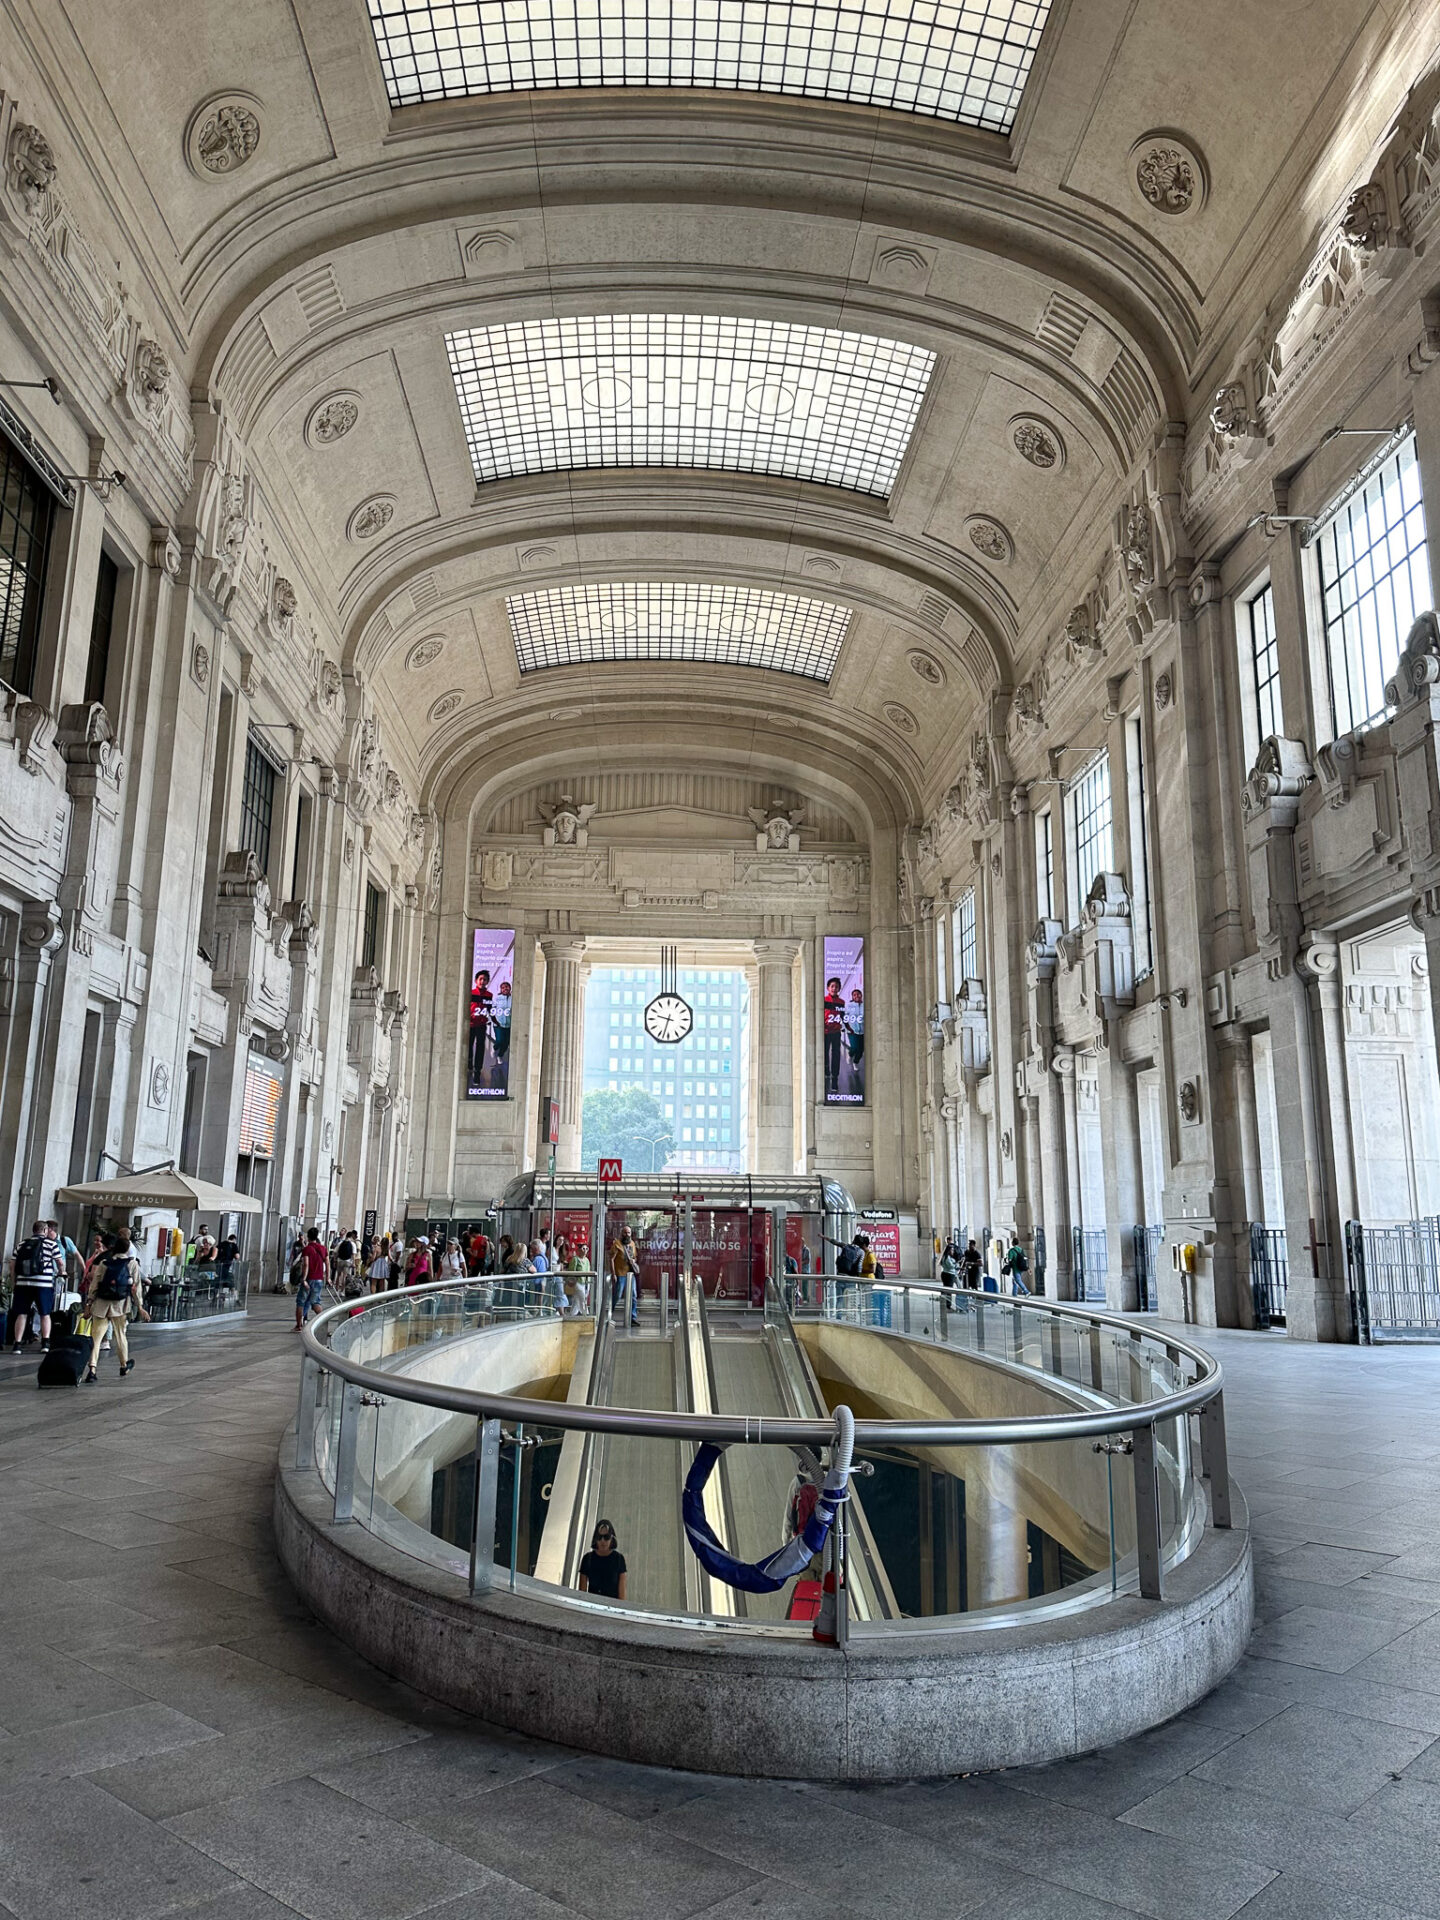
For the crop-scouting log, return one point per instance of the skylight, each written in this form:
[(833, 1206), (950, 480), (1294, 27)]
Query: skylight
[(963, 60), (674, 620), (686, 390)]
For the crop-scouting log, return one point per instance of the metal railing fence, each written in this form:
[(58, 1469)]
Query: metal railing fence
[(1090, 1261), (1150, 1388), (1147, 1262), (1269, 1273), (1393, 1275)]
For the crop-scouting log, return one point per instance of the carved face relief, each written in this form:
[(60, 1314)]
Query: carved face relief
[(1230, 411), (566, 825), (283, 603), (330, 684), (33, 163), (225, 137), (1365, 222), (152, 375), (1036, 443)]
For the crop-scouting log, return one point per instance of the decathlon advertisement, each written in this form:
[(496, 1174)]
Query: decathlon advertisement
[(489, 991), (844, 1020)]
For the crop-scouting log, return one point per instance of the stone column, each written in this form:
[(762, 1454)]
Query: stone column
[(1318, 965), (42, 934), (949, 1119), (1027, 1109), (562, 1046), (1068, 1170), (1124, 1181), (775, 1077)]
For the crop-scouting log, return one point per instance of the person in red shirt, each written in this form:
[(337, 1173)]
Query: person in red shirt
[(315, 1260)]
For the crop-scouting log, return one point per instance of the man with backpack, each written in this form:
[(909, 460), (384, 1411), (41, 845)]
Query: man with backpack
[(1016, 1265), (114, 1284), (39, 1265)]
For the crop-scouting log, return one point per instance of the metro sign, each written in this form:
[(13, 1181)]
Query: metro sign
[(610, 1170)]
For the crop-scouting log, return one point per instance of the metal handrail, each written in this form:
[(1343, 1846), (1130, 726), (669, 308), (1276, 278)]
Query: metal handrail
[(756, 1429)]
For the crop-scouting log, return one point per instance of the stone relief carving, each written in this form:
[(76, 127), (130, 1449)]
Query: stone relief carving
[(370, 518), (1282, 771), (497, 869), (392, 789), (329, 684), (1081, 638), (1164, 691), (32, 161), (989, 537), (424, 654), (159, 1084), (1365, 222), (223, 133), (976, 785), (1230, 412), (1189, 1101), (283, 606), (926, 667), (1419, 664), (1137, 554), (200, 664), (901, 718), (445, 705), (153, 374), (1169, 174), (1036, 441), (332, 419), (567, 822), (775, 827), (34, 732)]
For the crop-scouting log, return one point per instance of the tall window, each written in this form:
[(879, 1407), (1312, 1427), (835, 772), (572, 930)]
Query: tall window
[(1264, 665), (102, 627), (1090, 842), (1045, 864), (257, 804), (967, 962), (27, 516), (370, 940), (1374, 579)]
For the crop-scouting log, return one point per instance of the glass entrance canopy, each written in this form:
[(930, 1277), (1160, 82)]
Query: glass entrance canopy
[(688, 390), (959, 60)]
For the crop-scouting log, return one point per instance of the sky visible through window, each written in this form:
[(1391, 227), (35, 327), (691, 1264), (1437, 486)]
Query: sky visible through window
[(958, 60)]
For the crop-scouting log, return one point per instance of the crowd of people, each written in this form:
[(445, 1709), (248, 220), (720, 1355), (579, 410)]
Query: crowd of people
[(62, 1297)]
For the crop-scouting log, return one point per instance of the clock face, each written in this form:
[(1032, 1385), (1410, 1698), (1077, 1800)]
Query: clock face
[(668, 1019)]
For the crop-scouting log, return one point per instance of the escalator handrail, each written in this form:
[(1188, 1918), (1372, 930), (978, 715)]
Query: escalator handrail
[(754, 1429)]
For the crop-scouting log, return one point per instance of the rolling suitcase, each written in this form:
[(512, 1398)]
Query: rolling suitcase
[(65, 1363)]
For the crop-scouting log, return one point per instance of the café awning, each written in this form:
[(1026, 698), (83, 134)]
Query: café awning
[(164, 1187)]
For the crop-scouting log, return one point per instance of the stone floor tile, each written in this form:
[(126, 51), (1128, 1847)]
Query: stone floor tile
[(1235, 1707), (47, 1688), (116, 1739), (1316, 1757), (586, 1857), (1398, 1706), (87, 1857), (1412, 1659), (410, 1782), (214, 1684), (1332, 1566), (325, 1856), (500, 1899), (253, 1757), (1318, 1637), (1290, 1896), (1109, 1782), (637, 1792), (300, 1646)]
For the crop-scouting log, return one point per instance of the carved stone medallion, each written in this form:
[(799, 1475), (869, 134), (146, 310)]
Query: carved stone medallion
[(901, 718), (223, 134), (424, 653), (372, 516), (926, 667), (200, 663), (1169, 173), (445, 705), (988, 537), (331, 419), (1038, 442)]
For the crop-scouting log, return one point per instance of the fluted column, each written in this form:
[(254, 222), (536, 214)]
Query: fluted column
[(775, 1101), (562, 1045)]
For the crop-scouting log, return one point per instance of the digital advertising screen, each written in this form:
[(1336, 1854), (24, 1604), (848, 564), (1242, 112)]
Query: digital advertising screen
[(489, 989), (843, 1015)]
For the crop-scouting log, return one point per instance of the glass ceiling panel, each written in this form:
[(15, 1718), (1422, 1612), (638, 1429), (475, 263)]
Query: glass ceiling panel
[(964, 60), (674, 620), (686, 390)]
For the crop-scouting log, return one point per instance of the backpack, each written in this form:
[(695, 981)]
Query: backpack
[(1018, 1262), (31, 1261), (879, 1271), (849, 1261), (115, 1280)]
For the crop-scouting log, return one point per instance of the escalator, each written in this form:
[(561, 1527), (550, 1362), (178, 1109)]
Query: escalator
[(723, 1362)]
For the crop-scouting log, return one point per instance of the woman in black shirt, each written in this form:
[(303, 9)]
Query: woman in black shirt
[(603, 1568)]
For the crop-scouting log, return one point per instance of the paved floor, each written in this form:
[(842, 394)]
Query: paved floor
[(179, 1738)]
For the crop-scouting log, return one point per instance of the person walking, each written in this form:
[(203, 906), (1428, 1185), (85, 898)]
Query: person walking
[(342, 1265), (114, 1287), (625, 1274), (315, 1270), (381, 1267), (419, 1269), (971, 1265), (38, 1263), (602, 1570), (452, 1262), (1016, 1265), (950, 1265)]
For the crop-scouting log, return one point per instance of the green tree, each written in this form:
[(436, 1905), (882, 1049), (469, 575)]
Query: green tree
[(627, 1126)]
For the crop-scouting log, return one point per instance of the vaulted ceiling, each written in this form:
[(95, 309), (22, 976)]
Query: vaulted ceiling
[(584, 400)]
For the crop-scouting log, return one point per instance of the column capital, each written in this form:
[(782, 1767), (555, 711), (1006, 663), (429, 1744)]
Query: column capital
[(563, 946), (776, 953)]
